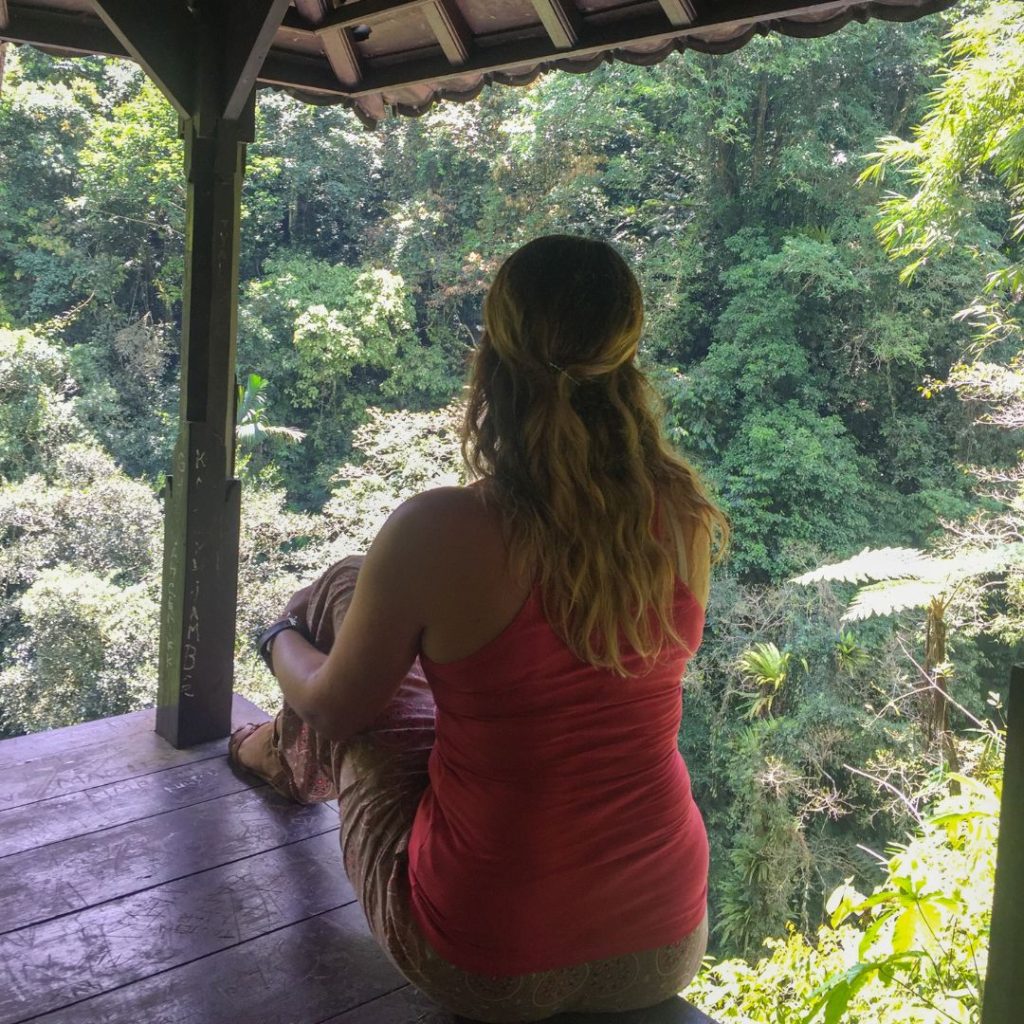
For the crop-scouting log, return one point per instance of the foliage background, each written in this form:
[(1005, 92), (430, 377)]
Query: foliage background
[(830, 396)]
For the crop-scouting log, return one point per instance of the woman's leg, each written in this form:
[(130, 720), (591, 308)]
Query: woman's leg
[(630, 982), (642, 979), (297, 762)]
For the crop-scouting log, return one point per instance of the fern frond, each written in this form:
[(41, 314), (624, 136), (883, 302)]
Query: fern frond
[(982, 561), (891, 596), (875, 564)]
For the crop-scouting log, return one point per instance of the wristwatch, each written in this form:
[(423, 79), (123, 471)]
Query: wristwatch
[(266, 639)]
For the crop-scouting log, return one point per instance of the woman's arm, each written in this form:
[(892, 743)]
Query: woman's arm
[(699, 567), (341, 693)]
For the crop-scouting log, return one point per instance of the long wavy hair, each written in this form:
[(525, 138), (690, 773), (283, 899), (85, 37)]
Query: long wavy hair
[(565, 429)]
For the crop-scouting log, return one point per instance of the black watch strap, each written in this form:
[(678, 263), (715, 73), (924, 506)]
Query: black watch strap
[(266, 638)]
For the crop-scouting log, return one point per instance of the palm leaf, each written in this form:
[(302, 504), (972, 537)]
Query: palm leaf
[(253, 398), (286, 433), (247, 434)]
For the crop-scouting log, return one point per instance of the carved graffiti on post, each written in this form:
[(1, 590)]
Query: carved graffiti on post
[(193, 625), (192, 632)]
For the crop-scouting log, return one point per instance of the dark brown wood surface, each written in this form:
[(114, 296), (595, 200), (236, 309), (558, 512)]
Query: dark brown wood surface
[(61, 877), (139, 883), (56, 741), (74, 814), (114, 943), (84, 757)]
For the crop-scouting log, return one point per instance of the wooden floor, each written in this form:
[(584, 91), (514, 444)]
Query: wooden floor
[(139, 883)]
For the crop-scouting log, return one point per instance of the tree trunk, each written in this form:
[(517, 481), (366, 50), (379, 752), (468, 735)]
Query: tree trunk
[(3, 61), (760, 119), (937, 728)]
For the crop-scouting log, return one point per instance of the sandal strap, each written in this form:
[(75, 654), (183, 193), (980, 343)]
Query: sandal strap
[(280, 781)]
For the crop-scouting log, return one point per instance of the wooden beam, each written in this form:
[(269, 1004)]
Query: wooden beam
[(336, 42), (1004, 980), (447, 23), (366, 12), (313, 11), (561, 21), (248, 33), (158, 35), (305, 72), (5, 18), (341, 51), (74, 33), (680, 12)]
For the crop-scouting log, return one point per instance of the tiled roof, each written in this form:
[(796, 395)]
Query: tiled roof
[(384, 56)]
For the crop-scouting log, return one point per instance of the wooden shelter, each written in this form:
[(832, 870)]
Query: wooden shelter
[(380, 58)]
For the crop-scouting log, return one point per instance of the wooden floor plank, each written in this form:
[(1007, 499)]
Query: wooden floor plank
[(673, 1011), (403, 1006), (297, 975), (76, 814), (19, 749), (55, 741), (67, 876), (98, 763), (59, 962)]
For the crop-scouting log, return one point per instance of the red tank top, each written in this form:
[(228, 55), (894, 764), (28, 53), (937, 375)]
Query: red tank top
[(558, 826)]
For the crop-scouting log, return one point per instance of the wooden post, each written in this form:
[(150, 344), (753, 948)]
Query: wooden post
[(205, 59), (1004, 980), (197, 621)]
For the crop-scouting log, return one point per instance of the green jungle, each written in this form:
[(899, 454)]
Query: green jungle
[(829, 237)]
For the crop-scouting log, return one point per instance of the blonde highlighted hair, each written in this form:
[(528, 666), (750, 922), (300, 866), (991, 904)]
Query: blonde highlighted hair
[(564, 427)]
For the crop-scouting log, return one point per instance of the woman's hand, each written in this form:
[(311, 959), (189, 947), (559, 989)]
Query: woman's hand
[(298, 604)]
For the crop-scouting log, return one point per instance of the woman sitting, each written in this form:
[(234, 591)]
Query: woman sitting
[(493, 692)]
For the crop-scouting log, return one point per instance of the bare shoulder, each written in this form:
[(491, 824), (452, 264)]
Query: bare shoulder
[(448, 546), (441, 511), (447, 529)]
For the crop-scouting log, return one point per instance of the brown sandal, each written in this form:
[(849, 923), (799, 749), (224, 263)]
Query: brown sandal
[(280, 781), (238, 737)]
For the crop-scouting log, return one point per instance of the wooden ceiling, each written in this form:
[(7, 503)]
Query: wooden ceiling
[(402, 56)]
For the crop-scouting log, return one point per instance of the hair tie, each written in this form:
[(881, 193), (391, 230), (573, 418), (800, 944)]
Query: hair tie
[(561, 370)]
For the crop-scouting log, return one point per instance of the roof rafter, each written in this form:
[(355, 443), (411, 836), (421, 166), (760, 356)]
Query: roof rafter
[(680, 12), (366, 12), (447, 23), (249, 29), (561, 21), (342, 53), (338, 46), (156, 37)]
